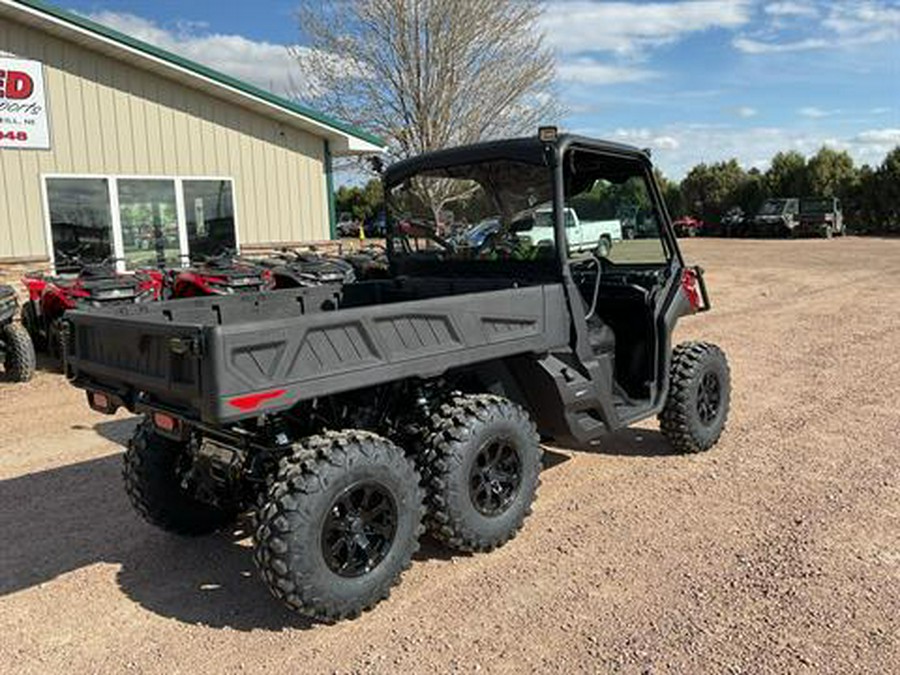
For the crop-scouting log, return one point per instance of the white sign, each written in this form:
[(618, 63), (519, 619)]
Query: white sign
[(24, 118)]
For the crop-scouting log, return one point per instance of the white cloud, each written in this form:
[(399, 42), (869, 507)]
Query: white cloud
[(752, 147), (646, 138), (815, 113), (665, 143), (879, 137), (589, 71), (745, 111), (865, 21), (628, 28), (264, 64), (846, 25), (751, 46), (803, 9)]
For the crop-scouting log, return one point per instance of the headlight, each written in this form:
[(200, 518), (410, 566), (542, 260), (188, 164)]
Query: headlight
[(244, 281), (113, 294)]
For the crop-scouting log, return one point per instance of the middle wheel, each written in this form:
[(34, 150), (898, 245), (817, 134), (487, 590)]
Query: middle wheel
[(481, 463)]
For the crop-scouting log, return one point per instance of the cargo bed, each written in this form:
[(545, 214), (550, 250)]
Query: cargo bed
[(222, 359)]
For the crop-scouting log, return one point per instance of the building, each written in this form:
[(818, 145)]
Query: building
[(112, 147)]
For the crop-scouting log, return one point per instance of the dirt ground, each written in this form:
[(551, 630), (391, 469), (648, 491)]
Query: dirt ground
[(776, 552)]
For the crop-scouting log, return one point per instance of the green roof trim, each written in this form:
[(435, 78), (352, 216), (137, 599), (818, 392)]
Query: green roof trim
[(199, 69)]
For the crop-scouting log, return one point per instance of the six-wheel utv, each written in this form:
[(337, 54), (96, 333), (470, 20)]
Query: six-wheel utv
[(349, 419)]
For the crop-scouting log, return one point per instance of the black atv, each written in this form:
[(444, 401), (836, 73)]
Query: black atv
[(370, 262), (302, 269), (16, 349)]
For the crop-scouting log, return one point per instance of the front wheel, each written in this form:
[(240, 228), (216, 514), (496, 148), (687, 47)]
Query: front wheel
[(699, 396), (32, 324), (19, 360), (340, 524)]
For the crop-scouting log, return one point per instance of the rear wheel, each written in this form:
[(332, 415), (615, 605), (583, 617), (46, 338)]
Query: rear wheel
[(154, 482), (340, 524), (699, 395), (481, 464), (19, 360)]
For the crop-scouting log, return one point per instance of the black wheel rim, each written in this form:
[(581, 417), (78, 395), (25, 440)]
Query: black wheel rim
[(709, 398), (359, 529), (495, 477)]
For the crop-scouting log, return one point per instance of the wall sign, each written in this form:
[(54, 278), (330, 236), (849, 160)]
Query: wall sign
[(24, 118)]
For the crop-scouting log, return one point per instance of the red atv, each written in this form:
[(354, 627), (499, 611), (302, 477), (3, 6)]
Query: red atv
[(223, 274), (688, 226), (83, 285)]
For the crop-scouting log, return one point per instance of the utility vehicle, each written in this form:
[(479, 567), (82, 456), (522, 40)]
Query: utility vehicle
[(16, 348), (776, 218), (349, 419), (821, 216)]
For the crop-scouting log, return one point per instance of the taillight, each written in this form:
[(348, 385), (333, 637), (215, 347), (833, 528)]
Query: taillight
[(101, 402), (165, 422), (691, 287)]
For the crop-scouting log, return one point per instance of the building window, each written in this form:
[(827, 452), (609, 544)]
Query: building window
[(80, 219), (140, 221), (148, 214), (209, 216)]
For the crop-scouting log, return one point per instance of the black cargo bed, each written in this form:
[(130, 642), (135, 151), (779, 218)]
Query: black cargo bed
[(222, 359)]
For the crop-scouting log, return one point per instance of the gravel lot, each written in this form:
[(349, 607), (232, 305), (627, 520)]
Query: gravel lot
[(778, 551)]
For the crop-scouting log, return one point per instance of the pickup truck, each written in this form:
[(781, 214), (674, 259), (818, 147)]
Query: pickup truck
[(348, 419), (581, 235)]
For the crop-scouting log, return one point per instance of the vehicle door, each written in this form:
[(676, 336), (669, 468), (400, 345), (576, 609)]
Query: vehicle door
[(625, 290)]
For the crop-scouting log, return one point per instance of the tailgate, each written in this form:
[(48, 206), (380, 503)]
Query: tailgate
[(124, 355)]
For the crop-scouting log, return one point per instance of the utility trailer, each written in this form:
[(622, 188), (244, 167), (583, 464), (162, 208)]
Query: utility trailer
[(347, 420)]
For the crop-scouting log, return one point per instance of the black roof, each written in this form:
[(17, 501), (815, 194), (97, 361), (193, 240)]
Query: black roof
[(530, 150)]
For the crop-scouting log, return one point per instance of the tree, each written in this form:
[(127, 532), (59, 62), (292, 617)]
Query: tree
[(430, 74), (786, 176), (887, 193), (709, 190), (361, 203), (752, 192), (830, 173)]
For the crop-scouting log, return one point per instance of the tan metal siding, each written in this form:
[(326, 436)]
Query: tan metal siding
[(111, 118)]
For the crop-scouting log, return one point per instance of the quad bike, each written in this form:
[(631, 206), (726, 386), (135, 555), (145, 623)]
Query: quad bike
[(16, 349), (223, 274), (296, 269), (84, 285), (370, 262)]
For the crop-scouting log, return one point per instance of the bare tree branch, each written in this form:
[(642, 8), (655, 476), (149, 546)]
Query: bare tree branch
[(430, 74)]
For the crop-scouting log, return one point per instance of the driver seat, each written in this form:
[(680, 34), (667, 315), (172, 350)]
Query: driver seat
[(601, 337)]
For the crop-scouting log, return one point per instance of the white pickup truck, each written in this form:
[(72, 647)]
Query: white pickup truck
[(581, 235)]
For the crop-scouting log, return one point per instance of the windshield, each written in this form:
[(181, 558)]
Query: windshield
[(817, 206), (473, 213), (773, 207)]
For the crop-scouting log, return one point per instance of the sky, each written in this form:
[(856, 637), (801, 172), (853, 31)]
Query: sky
[(694, 80)]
